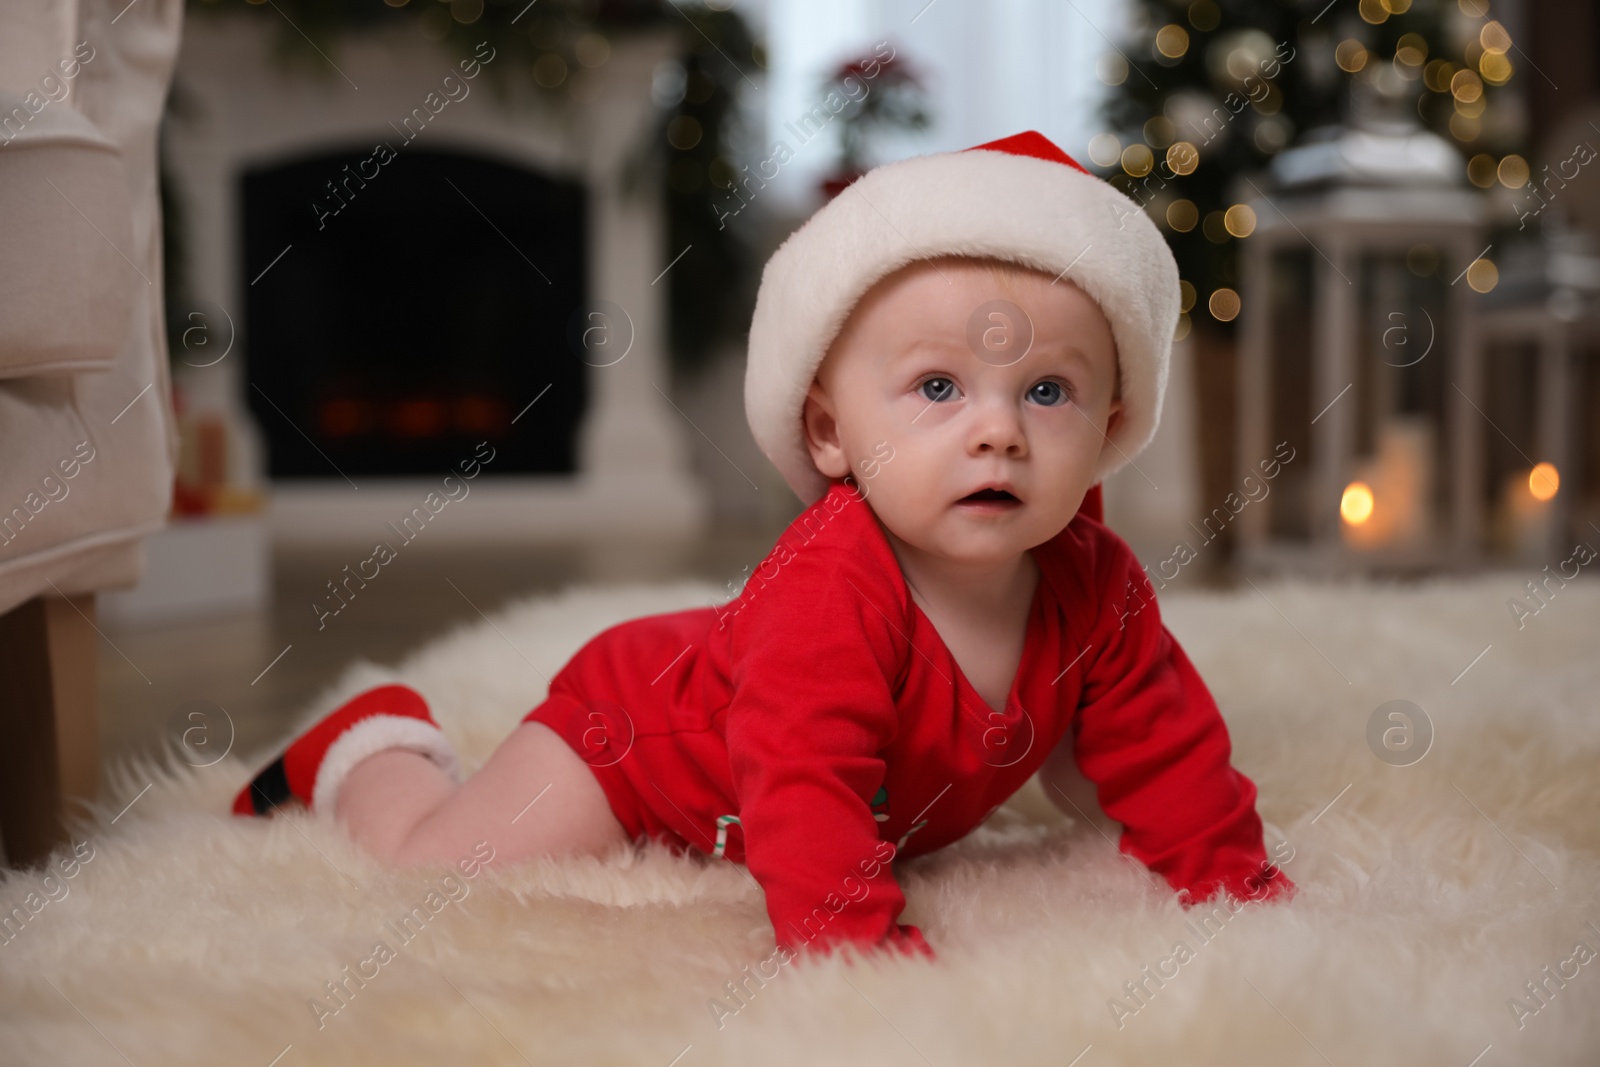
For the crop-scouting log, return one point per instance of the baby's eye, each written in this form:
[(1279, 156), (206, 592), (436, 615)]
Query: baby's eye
[(936, 389), (1050, 393)]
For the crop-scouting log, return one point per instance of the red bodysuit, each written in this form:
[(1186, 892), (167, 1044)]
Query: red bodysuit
[(816, 726)]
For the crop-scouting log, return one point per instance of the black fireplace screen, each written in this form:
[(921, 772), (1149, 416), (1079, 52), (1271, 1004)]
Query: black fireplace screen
[(404, 306)]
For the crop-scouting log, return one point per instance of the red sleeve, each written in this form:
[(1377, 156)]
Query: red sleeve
[(813, 653), (1150, 737)]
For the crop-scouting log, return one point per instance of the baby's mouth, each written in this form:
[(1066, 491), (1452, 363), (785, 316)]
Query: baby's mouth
[(989, 500)]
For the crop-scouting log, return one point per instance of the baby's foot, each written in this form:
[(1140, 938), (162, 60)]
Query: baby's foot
[(317, 762)]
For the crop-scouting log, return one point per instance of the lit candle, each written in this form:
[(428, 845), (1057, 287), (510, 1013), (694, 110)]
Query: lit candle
[(1386, 505), (1528, 513)]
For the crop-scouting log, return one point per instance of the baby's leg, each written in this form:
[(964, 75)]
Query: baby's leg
[(534, 797)]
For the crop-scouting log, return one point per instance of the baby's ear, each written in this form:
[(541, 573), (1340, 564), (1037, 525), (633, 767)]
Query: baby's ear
[(1114, 419), (821, 430)]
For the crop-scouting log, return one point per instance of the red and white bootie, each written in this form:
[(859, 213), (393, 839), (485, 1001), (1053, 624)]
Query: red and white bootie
[(316, 763)]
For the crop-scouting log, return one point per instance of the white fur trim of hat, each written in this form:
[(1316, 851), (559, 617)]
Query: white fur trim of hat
[(1019, 199)]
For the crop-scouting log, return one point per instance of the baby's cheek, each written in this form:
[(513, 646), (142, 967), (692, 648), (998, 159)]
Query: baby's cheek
[(909, 528)]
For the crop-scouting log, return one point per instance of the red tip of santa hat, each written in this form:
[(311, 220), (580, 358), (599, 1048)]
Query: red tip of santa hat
[(1030, 143)]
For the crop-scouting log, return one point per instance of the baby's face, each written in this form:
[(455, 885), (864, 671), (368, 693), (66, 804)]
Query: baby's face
[(934, 390)]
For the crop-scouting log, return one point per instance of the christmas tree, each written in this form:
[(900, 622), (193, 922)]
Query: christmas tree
[(1209, 90)]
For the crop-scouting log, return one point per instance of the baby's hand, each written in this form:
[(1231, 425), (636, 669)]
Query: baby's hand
[(1269, 887)]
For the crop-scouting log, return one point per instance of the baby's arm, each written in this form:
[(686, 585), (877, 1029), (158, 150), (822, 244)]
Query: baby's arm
[(1149, 735), (811, 711)]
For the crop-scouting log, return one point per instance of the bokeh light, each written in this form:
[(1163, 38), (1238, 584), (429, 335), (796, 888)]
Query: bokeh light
[(1466, 86), (1172, 40), (1111, 69), (1215, 229), (683, 132), (1159, 131), (1512, 172), (1494, 38), (1495, 68), (1182, 158), (1481, 170), (1204, 15), (1105, 149), (1240, 220), (1351, 55), (1482, 275), (1355, 506), (1543, 481), (1224, 305), (1137, 159)]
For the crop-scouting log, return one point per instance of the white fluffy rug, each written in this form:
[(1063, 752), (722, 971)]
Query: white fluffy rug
[(1431, 894)]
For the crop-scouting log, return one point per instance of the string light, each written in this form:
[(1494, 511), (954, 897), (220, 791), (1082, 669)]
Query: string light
[(1159, 131), (1465, 86), (1172, 40), (1224, 305), (1183, 158), (1351, 56), (1512, 172), (1105, 149), (1239, 220), (1481, 170)]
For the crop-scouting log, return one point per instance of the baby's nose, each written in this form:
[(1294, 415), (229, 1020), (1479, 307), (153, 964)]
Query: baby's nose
[(996, 427)]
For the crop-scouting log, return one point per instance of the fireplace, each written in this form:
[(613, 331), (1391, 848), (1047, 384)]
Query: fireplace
[(395, 308), (415, 313)]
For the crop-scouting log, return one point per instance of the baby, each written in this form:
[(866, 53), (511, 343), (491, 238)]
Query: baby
[(947, 617)]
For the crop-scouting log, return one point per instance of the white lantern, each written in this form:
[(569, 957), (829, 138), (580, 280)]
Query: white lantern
[(1357, 350)]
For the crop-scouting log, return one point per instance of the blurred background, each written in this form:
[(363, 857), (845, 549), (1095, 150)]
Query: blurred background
[(405, 239)]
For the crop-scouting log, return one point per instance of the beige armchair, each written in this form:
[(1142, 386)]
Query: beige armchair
[(87, 441)]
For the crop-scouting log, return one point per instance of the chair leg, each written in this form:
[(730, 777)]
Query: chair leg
[(49, 721)]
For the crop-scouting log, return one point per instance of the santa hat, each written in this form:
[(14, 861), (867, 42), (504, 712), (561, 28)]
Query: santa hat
[(1020, 199)]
